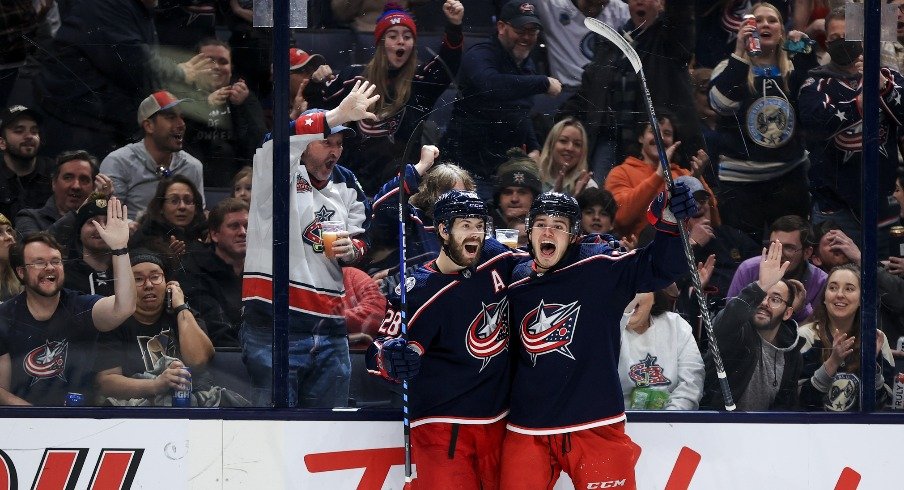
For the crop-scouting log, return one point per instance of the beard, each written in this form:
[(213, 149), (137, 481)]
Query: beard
[(456, 251)]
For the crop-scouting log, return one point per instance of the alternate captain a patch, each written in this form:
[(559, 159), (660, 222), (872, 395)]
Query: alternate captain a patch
[(488, 334), (549, 328)]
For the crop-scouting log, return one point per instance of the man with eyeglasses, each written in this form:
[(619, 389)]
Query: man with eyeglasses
[(796, 236), (498, 80), (758, 341), (137, 168), (47, 332)]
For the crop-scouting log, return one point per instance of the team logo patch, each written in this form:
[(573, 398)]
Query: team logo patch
[(770, 121), (301, 185), (526, 8), (47, 361), (488, 334), (648, 373), (549, 328), (409, 285), (843, 394)]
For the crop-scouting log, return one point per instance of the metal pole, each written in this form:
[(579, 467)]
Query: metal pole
[(870, 205), (281, 203)]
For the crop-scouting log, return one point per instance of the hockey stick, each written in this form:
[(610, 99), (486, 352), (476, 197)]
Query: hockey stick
[(622, 44)]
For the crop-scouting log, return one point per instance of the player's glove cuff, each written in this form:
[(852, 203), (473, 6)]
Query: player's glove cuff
[(669, 207), (392, 359)]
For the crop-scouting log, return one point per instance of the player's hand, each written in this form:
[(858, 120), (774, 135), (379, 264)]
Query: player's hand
[(115, 233), (239, 93), (681, 202), (454, 11), (393, 359), (771, 267)]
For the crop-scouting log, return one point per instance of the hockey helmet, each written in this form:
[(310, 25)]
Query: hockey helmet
[(458, 204), (556, 204)]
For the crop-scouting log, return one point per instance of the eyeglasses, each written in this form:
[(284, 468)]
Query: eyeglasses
[(175, 200), (42, 264), (776, 301), (156, 280)]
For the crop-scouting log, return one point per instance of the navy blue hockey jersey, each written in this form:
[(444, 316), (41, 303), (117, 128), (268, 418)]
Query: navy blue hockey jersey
[(567, 324), (461, 324)]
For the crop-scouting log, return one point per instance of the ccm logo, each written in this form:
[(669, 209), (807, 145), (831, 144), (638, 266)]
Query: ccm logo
[(606, 484)]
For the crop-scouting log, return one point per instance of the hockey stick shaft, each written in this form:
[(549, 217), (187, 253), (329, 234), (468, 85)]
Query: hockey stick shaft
[(620, 42)]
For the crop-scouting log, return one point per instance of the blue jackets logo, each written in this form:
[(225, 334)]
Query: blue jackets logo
[(488, 334), (549, 328), (47, 361)]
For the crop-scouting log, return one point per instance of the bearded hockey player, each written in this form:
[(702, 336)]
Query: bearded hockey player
[(567, 409), (458, 336)]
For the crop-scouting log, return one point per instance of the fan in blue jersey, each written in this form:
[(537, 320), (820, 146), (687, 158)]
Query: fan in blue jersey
[(567, 409), (457, 345)]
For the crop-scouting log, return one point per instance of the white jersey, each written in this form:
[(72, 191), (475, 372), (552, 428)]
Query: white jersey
[(570, 43), (315, 281)]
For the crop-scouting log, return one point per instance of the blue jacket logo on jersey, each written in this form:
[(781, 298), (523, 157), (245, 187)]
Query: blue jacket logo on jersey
[(648, 373), (488, 334), (549, 328), (313, 233), (47, 361)]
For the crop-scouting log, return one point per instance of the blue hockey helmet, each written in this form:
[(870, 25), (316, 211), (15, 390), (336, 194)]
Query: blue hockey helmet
[(556, 204), (458, 204)]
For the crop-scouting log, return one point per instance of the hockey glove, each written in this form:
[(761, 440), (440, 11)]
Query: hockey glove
[(393, 359), (664, 212)]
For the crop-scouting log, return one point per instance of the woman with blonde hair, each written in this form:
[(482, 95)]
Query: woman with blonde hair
[(407, 89), (763, 161), (563, 160), (9, 283)]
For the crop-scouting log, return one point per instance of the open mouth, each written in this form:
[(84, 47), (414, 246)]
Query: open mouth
[(49, 279), (471, 248), (765, 34), (547, 248), (400, 53)]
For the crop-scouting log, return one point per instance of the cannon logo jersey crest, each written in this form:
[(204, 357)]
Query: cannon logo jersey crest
[(549, 328), (488, 334), (47, 361)]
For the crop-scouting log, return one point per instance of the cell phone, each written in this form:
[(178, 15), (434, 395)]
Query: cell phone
[(169, 299)]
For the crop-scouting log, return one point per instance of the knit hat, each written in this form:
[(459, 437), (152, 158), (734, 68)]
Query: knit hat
[(518, 171), (96, 205), (393, 15), (298, 59), (160, 100)]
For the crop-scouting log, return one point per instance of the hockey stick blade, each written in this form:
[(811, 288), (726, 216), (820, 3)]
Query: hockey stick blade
[(615, 38)]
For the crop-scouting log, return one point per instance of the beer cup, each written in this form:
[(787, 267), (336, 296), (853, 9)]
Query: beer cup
[(507, 237), (329, 232)]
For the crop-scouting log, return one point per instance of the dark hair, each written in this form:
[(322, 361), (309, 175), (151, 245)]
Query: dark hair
[(836, 14), (792, 222), (17, 252), (70, 155), (593, 196), (790, 291), (820, 230), (155, 206), (212, 41), (228, 205), (662, 115), (662, 303)]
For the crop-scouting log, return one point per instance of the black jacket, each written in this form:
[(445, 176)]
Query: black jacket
[(740, 346)]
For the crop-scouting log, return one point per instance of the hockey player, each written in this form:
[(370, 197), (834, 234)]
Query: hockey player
[(319, 361), (567, 409), (459, 328)]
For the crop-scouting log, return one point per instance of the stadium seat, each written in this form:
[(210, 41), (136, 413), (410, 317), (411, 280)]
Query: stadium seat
[(213, 195)]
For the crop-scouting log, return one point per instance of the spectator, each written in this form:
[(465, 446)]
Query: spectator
[(216, 289), (48, 333), (251, 47), (830, 379), (659, 354), (762, 149), (137, 168), (895, 262), (9, 283), (241, 184), (570, 45), (707, 119), (224, 122), (363, 307), (639, 178), (497, 82), (796, 238), (319, 366), (758, 341), (25, 177), (17, 25), (73, 179), (598, 210), (104, 61), (302, 67), (518, 183), (830, 105), (610, 101), (174, 223), (407, 89), (563, 161), (89, 267)]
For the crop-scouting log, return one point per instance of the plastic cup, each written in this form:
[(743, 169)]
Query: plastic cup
[(329, 232), (507, 237)]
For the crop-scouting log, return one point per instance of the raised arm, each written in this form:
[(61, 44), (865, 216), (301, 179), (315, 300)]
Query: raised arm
[(110, 312)]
